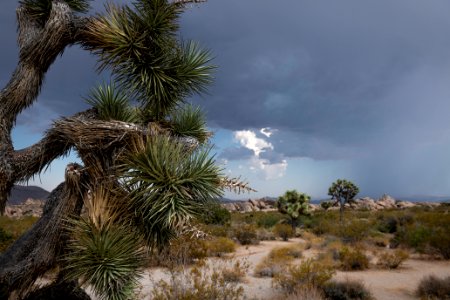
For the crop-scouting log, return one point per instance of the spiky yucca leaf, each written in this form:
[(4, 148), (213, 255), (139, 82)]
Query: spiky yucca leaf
[(109, 258), (191, 122), (141, 49), (168, 184), (40, 9), (111, 103)]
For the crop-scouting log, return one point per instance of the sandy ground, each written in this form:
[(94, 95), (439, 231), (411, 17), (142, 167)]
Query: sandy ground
[(385, 284)]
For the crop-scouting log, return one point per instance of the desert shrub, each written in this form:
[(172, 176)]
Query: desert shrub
[(346, 290), (215, 213), (246, 234), (440, 241), (326, 204), (183, 250), (305, 293), (352, 259), (6, 239), (392, 260), (309, 273), (276, 262), (264, 234), (219, 246), (284, 231), (432, 287), (354, 230), (205, 282), (16, 227), (235, 271), (216, 230), (269, 219), (286, 253), (387, 224)]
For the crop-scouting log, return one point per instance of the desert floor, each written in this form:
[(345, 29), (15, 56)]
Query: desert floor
[(384, 284)]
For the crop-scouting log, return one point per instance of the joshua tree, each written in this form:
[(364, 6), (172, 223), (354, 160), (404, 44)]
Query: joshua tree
[(146, 170), (343, 191), (294, 204)]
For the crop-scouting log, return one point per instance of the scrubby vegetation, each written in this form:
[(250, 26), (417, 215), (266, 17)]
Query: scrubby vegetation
[(308, 273), (283, 231), (392, 260), (363, 240), (434, 288), (11, 229), (346, 290), (202, 282)]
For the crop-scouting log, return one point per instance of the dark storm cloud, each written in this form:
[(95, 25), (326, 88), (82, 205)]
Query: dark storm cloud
[(332, 72)]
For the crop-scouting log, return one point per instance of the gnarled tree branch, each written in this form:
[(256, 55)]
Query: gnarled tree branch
[(37, 251)]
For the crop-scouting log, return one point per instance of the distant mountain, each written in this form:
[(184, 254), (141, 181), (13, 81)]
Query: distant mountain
[(20, 193)]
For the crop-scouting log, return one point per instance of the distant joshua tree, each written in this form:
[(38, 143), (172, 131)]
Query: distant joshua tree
[(294, 204), (342, 191), (146, 168)]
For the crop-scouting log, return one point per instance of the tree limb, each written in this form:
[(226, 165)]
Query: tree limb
[(37, 251)]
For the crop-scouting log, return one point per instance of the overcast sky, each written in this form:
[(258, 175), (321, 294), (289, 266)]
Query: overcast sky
[(306, 92)]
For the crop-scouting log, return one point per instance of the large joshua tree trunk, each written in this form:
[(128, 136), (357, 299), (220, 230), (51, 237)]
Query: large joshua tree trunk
[(39, 44)]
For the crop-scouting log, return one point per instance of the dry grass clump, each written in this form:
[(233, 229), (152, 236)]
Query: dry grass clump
[(202, 282), (220, 246), (392, 260), (283, 231), (305, 293), (288, 252), (278, 260), (309, 273), (434, 288), (235, 271), (352, 259), (246, 234)]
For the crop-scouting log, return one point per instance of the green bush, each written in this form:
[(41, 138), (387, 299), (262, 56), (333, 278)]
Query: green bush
[(284, 231), (246, 234), (5, 239), (346, 290), (387, 224), (431, 287), (215, 213), (352, 259), (326, 204), (354, 230), (308, 273), (268, 219), (440, 241)]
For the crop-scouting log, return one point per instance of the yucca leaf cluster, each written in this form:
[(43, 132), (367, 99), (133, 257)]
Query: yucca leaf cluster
[(139, 45), (108, 257), (169, 184)]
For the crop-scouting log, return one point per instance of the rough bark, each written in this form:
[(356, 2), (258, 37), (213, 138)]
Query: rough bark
[(39, 46), (38, 250)]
